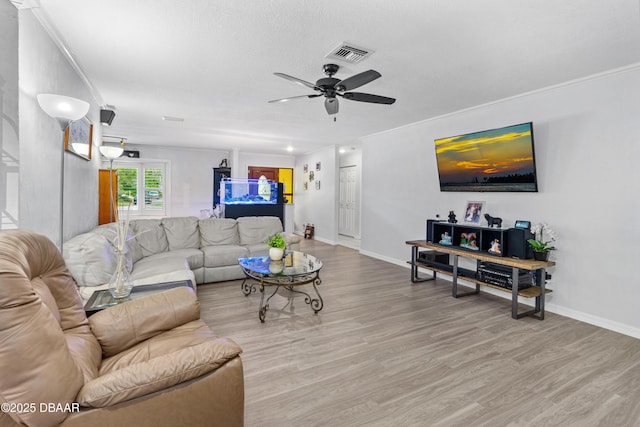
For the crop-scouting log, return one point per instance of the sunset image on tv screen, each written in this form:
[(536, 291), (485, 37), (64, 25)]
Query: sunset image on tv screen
[(493, 160)]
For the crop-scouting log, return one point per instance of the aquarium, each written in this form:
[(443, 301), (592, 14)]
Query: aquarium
[(243, 191)]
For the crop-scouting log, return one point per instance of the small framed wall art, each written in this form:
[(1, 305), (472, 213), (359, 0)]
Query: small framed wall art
[(78, 138), (317, 166)]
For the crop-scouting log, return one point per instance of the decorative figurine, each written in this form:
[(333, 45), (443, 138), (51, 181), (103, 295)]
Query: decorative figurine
[(452, 217), (468, 240), (223, 163), (491, 221), (495, 247), (445, 239)]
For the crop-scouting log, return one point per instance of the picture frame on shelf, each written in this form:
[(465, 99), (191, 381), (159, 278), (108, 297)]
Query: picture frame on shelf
[(473, 212), (78, 138)]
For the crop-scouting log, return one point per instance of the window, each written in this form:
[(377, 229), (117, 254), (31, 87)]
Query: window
[(142, 187)]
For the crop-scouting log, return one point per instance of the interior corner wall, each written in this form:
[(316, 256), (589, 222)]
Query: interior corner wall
[(314, 205), (9, 140), (191, 175), (43, 68), (587, 147)]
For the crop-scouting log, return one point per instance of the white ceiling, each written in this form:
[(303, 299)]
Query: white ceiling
[(212, 61)]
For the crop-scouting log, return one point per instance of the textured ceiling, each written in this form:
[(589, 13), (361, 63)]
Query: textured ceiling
[(212, 62)]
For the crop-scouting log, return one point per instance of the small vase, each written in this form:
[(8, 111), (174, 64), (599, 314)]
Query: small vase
[(120, 284), (276, 254), (541, 256)]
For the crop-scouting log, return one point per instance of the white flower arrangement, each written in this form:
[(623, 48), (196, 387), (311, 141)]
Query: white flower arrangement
[(538, 243)]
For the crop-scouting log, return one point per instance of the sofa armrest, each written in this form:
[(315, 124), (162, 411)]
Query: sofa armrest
[(159, 373), (292, 240), (122, 326)]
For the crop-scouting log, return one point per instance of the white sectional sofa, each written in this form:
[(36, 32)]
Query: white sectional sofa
[(172, 249)]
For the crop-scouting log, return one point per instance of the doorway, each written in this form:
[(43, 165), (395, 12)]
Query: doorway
[(349, 205), (283, 175)]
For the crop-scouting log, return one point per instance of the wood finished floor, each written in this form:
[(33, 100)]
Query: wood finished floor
[(385, 352)]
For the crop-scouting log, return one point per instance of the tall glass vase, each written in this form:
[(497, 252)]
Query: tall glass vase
[(120, 284)]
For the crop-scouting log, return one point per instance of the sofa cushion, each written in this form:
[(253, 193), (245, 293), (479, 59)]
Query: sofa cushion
[(194, 258), (256, 229), (37, 364), (127, 324), (223, 255), (157, 265), (150, 235), (218, 231), (90, 258), (182, 232), (132, 249), (170, 358), (258, 249)]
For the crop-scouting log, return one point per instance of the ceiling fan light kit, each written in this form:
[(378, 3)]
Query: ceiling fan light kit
[(331, 87)]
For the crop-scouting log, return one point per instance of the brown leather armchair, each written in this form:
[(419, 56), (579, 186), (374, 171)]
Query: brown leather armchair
[(146, 362)]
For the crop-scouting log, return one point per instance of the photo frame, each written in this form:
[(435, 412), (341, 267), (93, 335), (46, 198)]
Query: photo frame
[(305, 168), (317, 166), (317, 185), (78, 138), (473, 212), (304, 186), (311, 176)]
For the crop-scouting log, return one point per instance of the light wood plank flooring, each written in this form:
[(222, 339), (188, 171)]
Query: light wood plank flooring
[(385, 352)]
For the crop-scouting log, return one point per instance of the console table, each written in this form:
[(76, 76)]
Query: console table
[(538, 291)]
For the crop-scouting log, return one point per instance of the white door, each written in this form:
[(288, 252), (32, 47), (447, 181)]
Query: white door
[(349, 222)]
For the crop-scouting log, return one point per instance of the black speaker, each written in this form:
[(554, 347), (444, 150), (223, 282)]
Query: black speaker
[(133, 154), (107, 116), (517, 246)]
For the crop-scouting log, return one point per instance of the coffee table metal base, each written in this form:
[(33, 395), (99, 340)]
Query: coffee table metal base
[(288, 282)]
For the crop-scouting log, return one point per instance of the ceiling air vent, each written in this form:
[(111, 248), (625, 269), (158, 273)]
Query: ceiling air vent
[(347, 52)]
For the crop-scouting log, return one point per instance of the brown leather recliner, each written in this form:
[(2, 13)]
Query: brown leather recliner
[(146, 362)]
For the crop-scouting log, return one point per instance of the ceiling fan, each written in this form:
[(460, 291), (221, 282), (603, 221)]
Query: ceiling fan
[(331, 88)]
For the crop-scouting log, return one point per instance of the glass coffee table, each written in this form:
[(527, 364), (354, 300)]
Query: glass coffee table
[(100, 300), (294, 270)]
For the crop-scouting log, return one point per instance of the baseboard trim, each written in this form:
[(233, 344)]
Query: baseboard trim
[(552, 308)]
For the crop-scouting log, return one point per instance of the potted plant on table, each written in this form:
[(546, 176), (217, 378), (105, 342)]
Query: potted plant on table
[(276, 245), (542, 248)]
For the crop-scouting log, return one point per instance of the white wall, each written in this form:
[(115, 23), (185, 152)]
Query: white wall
[(9, 145), (587, 141), (191, 175), (317, 207), (44, 69)]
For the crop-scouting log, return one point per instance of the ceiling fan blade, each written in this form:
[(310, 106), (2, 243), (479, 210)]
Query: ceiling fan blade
[(295, 97), (297, 80), (367, 97), (358, 80), (331, 104)]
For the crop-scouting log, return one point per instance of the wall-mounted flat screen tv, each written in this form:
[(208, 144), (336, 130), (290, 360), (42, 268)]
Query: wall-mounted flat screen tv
[(500, 159)]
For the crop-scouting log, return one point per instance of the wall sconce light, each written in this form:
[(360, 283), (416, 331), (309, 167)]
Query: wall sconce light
[(65, 110)]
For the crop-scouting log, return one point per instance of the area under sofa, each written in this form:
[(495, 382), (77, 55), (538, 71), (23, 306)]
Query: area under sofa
[(172, 249)]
